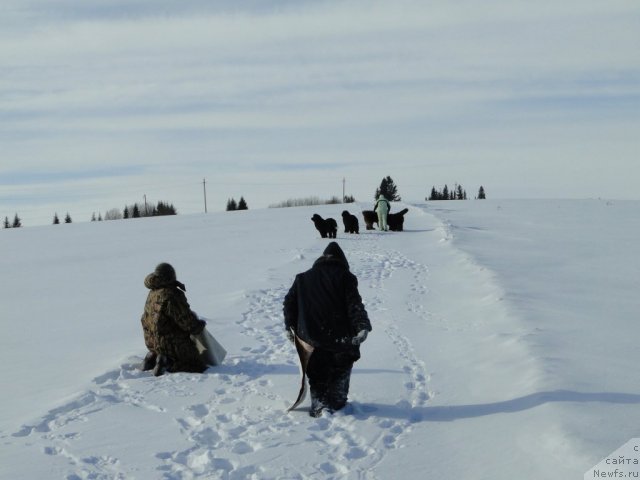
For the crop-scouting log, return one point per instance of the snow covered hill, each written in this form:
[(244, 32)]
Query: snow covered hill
[(504, 346)]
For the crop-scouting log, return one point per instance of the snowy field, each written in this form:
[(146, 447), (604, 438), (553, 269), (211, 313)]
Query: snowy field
[(505, 345)]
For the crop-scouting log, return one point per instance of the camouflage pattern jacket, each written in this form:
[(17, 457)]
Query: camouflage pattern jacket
[(168, 322)]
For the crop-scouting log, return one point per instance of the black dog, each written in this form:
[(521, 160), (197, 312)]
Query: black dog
[(396, 220), (327, 227), (350, 223), (370, 217)]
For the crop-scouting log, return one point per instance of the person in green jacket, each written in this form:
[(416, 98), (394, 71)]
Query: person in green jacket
[(382, 208)]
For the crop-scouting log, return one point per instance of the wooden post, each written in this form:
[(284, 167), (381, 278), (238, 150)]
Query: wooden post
[(204, 187)]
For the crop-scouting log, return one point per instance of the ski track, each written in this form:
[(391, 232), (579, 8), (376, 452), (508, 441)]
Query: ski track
[(237, 413)]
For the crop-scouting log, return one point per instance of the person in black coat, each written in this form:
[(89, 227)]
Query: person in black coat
[(324, 309)]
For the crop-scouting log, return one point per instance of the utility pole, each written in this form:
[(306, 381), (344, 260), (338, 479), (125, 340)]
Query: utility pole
[(343, 197), (145, 204), (204, 188)]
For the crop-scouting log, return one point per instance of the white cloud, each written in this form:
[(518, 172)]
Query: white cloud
[(393, 85)]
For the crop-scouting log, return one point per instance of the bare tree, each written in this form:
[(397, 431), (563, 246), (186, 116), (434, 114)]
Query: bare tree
[(113, 214)]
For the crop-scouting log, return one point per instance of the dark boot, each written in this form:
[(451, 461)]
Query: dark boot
[(317, 406), (338, 389), (149, 361), (318, 374)]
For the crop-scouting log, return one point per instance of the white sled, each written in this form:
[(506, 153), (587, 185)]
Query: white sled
[(211, 352), (304, 353)]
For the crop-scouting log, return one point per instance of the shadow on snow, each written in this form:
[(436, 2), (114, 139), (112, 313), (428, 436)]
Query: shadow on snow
[(403, 410)]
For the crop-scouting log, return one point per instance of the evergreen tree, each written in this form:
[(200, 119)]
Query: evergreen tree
[(349, 199), (242, 204), (231, 205), (56, 220), (164, 208), (481, 194), (388, 189), (93, 217), (136, 211), (17, 223), (125, 212), (67, 219), (456, 193), (6, 222), (99, 216)]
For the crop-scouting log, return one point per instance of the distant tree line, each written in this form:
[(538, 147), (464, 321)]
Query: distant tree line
[(456, 193), (239, 205), (387, 188), (137, 210), (305, 202), (17, 222), (130, 211)]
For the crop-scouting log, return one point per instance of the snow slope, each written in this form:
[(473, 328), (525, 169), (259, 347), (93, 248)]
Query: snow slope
[(503, 346)]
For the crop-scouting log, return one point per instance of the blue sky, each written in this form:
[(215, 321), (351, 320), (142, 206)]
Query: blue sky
[(273, 100)]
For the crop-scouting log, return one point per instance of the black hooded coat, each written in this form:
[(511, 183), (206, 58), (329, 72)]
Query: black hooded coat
[(324, 307)]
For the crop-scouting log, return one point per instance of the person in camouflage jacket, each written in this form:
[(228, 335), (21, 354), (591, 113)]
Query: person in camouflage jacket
[(167, 323)]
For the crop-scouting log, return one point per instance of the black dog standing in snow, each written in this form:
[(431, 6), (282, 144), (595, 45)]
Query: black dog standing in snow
[(327, 227), (396, 220), (324, 310), (370, 217), (350, 223)]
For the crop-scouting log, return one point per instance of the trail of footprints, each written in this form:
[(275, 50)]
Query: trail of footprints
[(224, 429), (57, 430)]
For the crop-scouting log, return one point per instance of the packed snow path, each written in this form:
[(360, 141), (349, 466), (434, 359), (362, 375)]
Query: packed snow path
[(231, 422)]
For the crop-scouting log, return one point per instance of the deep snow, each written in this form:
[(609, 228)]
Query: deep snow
[(504, 346)]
